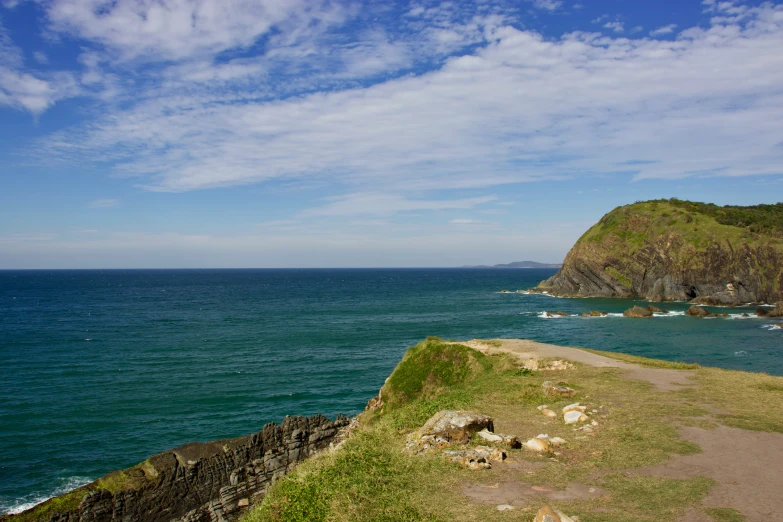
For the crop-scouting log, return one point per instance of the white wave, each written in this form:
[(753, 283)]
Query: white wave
[(741, 353), (772, 327), (547, 315), (740, 317), (23, 504)]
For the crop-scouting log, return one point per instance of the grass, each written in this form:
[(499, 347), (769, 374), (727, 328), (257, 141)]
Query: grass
[(373, 478)]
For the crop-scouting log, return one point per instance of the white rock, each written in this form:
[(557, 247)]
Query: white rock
[(505, 507), (538, 444), (489, 436), (549, 413), (542, 407), (572, 417), (594, 423), (557, 441), (574, 407)]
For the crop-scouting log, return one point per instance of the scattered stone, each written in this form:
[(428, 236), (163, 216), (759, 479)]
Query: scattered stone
[(574, 407), (572, 417), (505, 507), (558, 390), (556, 365), (243, 502), (448, 427), (539, 444), (556, 314), (549, 413), (548, 514), (656, 310), (637, 312), (479, 457), (698, 311), (506, 440)]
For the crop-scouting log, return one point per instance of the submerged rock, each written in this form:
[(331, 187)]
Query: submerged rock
[(638, 312), (698, 311)]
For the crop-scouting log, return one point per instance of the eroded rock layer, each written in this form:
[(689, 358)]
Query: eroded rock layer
[(209, 482)]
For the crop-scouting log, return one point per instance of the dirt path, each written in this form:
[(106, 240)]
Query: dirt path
[(745, 464), (663, 379)]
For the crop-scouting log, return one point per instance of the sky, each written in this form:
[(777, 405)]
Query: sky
[(310, 133)]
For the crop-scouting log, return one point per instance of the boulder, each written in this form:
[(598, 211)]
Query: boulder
[(698, 311), (543, 443), (656, 310), (777, 311), (574, 416), (479, 457), (547, 514), (549, 413), (594, 313), (498, 438), (556, 314), (558, 390), (637, 312), (448, 427), (762, 312)]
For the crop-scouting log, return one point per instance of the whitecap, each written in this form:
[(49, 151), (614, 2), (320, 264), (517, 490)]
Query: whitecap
[(741, 353), (23, 504)]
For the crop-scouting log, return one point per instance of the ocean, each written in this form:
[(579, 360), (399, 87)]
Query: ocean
[(103, 368)]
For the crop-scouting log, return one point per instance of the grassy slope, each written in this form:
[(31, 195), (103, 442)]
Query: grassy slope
[(372, 478), (636, 224)]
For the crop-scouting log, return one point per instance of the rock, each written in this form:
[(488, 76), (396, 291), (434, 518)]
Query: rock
[(547, 514), (575, 416), (448, 427), (506, 440), (505, 507), (374, 403), (761, 312), (539, 444), (637, 312), (574, 407), (549, 413), (542, 407), (594, 313), (505, 291), (243, 502), (777, 311), (745, 315), (556, 314), (558, 390), (656, 310), (698, 311), (475, 458)]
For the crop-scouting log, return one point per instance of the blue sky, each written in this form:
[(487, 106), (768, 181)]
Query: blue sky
[(308, 133)]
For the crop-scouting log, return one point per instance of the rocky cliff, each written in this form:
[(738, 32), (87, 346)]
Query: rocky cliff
[(673, 250), (209, 482)]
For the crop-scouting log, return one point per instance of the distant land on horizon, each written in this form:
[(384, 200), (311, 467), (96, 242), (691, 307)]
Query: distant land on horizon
[(518, 264)]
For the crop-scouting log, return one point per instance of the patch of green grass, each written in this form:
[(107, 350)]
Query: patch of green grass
[(429, 367), (625, 281), (725, 514), (61, 504), (644, 361)]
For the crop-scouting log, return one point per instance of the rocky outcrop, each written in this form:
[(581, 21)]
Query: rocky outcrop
[(651, 250), (638, 312), (211, 482), (448, 427)]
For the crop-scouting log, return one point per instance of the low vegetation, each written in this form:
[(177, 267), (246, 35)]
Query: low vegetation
[(373, 478)]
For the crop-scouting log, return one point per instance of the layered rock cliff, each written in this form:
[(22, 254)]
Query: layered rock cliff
[(672, 250), (209, 482)]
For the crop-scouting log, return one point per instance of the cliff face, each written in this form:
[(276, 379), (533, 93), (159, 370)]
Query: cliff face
[(209, 482), (678, 251)]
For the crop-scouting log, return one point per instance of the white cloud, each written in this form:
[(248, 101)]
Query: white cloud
[(548, 5), (40, 57), (666, 29), (518, 108), (104, 203), (617, 27), (387, 204), (463, 221)]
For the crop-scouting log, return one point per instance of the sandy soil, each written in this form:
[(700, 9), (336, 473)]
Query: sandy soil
[(746, 464)]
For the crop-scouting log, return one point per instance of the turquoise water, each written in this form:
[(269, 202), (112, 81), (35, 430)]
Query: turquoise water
[(103, 368)]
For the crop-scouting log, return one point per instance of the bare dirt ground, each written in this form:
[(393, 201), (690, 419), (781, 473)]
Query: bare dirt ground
[(746, 465)]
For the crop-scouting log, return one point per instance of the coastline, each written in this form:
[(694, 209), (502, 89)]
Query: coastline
[(307, 437)]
